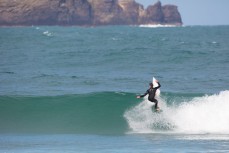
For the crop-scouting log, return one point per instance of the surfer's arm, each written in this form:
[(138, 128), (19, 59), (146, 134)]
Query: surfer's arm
[(159, 85), (141, 96)]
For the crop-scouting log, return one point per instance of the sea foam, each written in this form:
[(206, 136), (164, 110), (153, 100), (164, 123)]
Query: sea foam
[(156, 26), (207, 114)]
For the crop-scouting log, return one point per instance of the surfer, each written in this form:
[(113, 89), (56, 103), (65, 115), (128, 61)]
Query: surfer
[(152, 91)]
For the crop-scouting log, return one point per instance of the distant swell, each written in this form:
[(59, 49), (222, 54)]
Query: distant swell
[(114, 113)]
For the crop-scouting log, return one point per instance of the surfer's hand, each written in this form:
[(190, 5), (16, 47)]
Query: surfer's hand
[(138, 97)]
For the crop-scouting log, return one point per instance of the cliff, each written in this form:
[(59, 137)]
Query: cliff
[(85, 12)]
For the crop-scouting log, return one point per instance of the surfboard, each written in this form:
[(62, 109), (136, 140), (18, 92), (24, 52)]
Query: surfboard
[(158, 111), (155, 84)]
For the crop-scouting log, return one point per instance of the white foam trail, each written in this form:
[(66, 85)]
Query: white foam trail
[(47, 33), (156, 26), (143, 119), (208, 114)]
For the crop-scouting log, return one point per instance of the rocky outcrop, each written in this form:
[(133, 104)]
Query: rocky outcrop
[(70, 12), (171, 15), (132, 11), (153, 14), (85, 12), (105, 12), (45, 12)]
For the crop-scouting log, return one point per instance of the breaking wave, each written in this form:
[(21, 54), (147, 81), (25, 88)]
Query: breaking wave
[(205, 114), (114, 113)]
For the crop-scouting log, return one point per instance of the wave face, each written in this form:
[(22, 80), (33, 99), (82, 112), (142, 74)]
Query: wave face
[(205, 114), (85, 113), (114, 113)]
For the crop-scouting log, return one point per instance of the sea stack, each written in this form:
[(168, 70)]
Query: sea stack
[(85, 13)]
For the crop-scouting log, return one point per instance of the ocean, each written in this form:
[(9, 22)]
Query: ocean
[(73, 89)]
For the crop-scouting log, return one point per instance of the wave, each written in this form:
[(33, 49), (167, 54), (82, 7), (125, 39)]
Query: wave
[(199, 115), (114, 113), (84, 113)]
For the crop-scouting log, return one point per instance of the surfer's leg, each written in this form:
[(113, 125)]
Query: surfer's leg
[(156, 103)]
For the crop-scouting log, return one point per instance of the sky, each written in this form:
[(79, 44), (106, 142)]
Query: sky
[(198, 12)]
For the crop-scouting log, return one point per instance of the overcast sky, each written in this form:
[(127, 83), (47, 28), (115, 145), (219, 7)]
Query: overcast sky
[(199, 12)]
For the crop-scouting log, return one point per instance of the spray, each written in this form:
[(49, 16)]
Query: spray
[(207, 114)]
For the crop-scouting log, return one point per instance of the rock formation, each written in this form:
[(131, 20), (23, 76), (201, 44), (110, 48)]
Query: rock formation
[(171, 15), (85, 12), (154, 14)]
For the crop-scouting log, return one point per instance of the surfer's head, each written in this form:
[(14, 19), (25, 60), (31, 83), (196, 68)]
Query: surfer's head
[(151, 85)]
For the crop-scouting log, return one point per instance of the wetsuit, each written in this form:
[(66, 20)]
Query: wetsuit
[(152, 92)]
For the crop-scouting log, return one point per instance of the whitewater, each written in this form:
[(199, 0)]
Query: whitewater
[(201, 115)]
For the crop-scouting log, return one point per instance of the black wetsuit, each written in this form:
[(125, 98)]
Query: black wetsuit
[(152, 92)]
